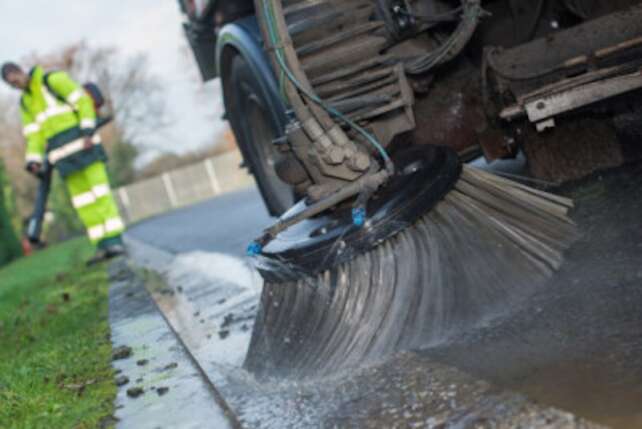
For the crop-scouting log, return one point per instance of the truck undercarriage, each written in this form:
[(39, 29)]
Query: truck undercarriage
[(558, 80), (366, 113)]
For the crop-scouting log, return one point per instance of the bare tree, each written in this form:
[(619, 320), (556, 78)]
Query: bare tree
[(133, 95), (172, 161)]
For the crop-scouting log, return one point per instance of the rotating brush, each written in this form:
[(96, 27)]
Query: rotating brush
[(336, 295)]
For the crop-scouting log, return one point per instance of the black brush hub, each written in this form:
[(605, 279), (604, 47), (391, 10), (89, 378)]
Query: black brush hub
[(425, 174)]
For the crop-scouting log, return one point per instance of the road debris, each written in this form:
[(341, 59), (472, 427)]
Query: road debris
[(121, 380), (170, 366), (121, 352), (135, 392)]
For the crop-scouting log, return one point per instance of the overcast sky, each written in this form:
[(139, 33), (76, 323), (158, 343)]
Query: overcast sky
[(149, 26)]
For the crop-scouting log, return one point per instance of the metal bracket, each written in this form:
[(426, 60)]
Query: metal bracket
[(547, 107), (542, 109)]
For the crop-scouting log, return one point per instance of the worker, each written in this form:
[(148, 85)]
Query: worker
[(59, 121)]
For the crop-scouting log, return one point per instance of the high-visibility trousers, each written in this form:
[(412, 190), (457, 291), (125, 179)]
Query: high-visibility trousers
[(92, 198)]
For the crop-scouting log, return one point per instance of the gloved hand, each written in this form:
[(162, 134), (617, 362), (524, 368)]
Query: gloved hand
[(34, 168), (88, 134)]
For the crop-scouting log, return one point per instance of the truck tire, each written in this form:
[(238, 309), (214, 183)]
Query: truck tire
[(255, 128)]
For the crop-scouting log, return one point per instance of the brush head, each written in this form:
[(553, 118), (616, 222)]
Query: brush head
[(481, 246), (424, 175)]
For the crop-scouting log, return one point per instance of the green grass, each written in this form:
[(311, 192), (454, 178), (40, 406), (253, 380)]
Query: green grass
[(55, 353)]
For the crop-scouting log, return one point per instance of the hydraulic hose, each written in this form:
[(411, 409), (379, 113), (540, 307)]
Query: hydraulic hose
[(316, 122), (280, 41), (363, 188), (454, 45), (276, 20), (296, 102)]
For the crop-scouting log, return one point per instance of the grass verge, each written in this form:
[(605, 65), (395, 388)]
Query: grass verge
[(55, 353)]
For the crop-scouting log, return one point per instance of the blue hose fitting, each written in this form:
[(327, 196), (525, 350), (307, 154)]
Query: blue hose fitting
[(359, 216), (254, 249)]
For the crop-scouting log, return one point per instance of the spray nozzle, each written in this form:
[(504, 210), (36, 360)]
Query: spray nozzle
[(359, 216), (254, 249)]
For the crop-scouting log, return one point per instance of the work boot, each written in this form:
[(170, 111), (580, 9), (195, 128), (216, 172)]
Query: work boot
[(115, 250), (99, 256), (104, 254)]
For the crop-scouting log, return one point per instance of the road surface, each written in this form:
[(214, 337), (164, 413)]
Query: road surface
[(224, 225), (576, 344)]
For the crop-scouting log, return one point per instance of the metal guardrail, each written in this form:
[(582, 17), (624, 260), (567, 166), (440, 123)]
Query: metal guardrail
[(182, 187)]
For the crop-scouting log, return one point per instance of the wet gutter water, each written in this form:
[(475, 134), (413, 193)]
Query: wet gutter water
[(160, 386), (210, 302)]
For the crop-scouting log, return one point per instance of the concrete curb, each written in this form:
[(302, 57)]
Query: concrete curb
[(161, 386)]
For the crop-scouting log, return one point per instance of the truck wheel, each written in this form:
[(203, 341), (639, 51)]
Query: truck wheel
[(255, 128)]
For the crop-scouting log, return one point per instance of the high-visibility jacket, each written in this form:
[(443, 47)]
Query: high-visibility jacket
[(57, 114)]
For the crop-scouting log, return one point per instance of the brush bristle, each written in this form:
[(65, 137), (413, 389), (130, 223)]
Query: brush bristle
[(537, 222), (481, 250)]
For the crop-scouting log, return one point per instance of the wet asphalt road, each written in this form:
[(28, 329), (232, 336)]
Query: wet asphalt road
[(576, 344), (225, 225)]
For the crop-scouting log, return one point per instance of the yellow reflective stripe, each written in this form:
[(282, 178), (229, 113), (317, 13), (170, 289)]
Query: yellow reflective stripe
[(114, 225), (83, 200), (88, 123), (75, 96), (70, 149), (96, 232), (54, 107), (34, 157), (49, 98), (51, 112), (100, 190), (30, 129), (65, 151)]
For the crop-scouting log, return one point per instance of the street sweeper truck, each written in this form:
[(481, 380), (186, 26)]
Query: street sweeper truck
[(357, 118)]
